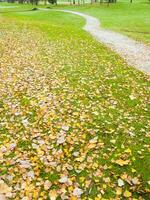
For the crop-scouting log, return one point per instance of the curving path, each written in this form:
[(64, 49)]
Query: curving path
[(135, 53)]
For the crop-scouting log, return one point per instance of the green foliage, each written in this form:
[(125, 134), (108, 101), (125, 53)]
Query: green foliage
[(52, 1)]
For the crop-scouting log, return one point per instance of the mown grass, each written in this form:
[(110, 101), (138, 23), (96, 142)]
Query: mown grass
[(131, 19), (57, 74)]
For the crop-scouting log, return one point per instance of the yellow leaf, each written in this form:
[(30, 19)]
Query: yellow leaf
[(127, 194), (122, 162), (118, 190), (42, 193), (87, 183), (91, 146), (82, 179), (133, 170), (53, 195), (104, 186), (47, 184), (70, 188), (35, 194), (73, 198), (4, 189), (128, 151), (81, 159), (40, 152), (95, 165), (106, 180), (84, 136)]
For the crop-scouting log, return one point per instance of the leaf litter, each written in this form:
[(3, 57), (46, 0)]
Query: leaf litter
[(66, 121)]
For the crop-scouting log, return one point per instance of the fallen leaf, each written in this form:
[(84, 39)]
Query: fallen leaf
[(31, 174), (94, 140), (106, 180), (63, 179), (122, 162), (73, 198), (91, 145), (118, 191), (132, 97), (47, 185), (127, 194), (2, 197), (120, 182), (4, 188), (53, 195), (25, 164), (113, 141), (133, 170), (75, 154), (77, 192), (128, 151), (61, 139), (65, 127), (135, 181)]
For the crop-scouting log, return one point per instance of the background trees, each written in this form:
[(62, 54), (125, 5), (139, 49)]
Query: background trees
[(69, 1), (55, 1), (24, 1)]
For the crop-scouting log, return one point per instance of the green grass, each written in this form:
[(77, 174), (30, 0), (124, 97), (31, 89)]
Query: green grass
[(132, 20), (54, 73)]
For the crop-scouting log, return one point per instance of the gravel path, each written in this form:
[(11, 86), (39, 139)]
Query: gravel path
[(135, 53)]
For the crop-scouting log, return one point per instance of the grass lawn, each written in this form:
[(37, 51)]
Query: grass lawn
[(73, 115), (132, 20)]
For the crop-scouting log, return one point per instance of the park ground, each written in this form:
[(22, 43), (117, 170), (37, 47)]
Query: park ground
[(73, 115)]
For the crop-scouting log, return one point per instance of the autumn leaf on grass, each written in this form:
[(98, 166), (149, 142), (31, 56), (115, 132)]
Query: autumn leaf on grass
[(2, 197), (77, 192), (73, 198), (118, 191), (53, 195), (120, 182), (65, 127), (4, 188), (64, 179), (80, 159), (122, 162), (128, 151), (127, 194), (135, 181), (132, 97), (47, 184), (91, 146)]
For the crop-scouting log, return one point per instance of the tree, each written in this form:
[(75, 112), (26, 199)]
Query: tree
[(52, 1)]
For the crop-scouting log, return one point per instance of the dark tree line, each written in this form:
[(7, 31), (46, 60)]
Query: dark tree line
[(35, 2), (55, 1), (92, 1)]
